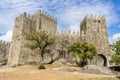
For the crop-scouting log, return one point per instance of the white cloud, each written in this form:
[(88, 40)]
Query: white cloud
[(6, 37), (75, 13), (73, 28), (69, 13), (114, 38)]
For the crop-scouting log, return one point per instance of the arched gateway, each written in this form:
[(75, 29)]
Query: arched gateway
[(99, 59), (103, 57)]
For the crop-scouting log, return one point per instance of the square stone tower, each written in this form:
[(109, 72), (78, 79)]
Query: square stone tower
[(93, 29), (24, 26)]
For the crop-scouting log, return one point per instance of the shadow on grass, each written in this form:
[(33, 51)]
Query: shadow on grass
[(118, 77)]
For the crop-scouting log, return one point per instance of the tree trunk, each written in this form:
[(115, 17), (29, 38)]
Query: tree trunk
[(42, 55)]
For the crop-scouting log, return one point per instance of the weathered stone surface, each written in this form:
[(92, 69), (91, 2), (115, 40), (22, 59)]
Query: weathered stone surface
[(56, 56), (99, 59), (95, 69), (63, 60), (47, 59), (60, 62)]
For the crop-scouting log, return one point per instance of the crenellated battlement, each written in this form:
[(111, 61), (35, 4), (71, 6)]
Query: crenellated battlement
[(39, 12), (45, 14), (93, 19), (100, 17), (4, 42), (68, 33), (36, 22)]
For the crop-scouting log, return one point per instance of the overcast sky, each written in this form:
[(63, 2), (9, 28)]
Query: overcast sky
[(69, 13)]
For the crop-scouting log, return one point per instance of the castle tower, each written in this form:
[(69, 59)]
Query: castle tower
[(93, 29), (44, 22), (23, 27)]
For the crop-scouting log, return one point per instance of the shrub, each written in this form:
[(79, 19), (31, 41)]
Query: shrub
[(81, 63), (82, 51), (41, 66), (4, 61)]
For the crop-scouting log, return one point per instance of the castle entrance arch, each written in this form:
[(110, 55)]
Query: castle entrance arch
[(104, 59), (99, 59)]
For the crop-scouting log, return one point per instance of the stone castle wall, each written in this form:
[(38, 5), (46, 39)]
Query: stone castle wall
[(63, 39), (92, 29), (4, 50)]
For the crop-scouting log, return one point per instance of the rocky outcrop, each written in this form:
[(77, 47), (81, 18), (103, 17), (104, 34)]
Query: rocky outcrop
[(95, 69), (60, 62)]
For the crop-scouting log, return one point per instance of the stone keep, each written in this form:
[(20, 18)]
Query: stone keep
[(93, 29), (24, 26)]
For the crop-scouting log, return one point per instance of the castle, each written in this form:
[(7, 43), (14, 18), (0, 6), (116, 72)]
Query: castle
[(93, 29)]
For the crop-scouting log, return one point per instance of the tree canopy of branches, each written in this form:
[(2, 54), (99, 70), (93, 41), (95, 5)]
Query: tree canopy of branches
[(83, 51), (42, 41), (116, 57)]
